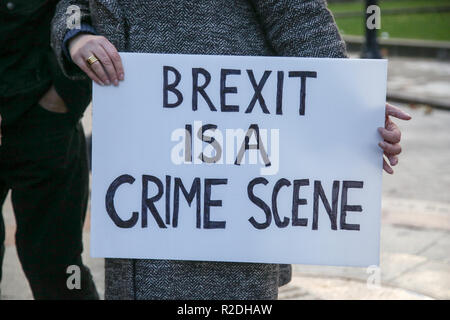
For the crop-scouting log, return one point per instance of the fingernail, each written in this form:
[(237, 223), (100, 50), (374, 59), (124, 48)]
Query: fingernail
[(121, 76), (116, 82), (108, 82), (382, 144)]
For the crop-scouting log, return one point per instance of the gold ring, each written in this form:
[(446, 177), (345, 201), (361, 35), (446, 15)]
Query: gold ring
[(92, 59)]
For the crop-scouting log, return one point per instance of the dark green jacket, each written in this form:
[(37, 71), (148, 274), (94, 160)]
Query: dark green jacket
[(28, 65)]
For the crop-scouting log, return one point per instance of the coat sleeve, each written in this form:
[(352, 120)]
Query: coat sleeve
[(302, 28), (59, 29), (71, 83)]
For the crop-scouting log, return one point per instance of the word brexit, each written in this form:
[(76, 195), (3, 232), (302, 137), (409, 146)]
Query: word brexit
[(226, 90)]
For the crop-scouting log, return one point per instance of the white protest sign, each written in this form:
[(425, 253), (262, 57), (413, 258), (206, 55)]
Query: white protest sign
[(233, 158)]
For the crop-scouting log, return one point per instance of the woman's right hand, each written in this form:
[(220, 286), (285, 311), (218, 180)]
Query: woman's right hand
[(108, 69)]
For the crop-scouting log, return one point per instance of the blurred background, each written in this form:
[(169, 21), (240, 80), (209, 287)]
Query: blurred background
[(406, 19), (414, 36)]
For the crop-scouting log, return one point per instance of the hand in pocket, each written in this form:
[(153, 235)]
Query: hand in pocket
[(51, 101)]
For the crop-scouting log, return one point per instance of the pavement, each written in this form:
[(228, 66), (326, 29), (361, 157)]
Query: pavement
[(415, 229), (409, 81)]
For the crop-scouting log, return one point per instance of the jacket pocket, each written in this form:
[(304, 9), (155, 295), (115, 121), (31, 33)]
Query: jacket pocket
[(57, 120)]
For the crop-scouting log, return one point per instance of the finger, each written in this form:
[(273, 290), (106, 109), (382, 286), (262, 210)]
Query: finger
[(387, 168), (393, 160), (85, 67), (390, 149), (115, 58), (107, 64), (97, 68), (389, 124), (396, 112), (392, 136)]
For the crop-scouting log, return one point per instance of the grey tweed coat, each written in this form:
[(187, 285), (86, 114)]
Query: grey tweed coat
[(303, 28)]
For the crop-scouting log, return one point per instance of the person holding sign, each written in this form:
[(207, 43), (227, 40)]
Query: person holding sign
[(220, 27)]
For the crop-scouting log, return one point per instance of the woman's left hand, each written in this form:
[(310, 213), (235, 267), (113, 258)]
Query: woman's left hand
[(391, 135)]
